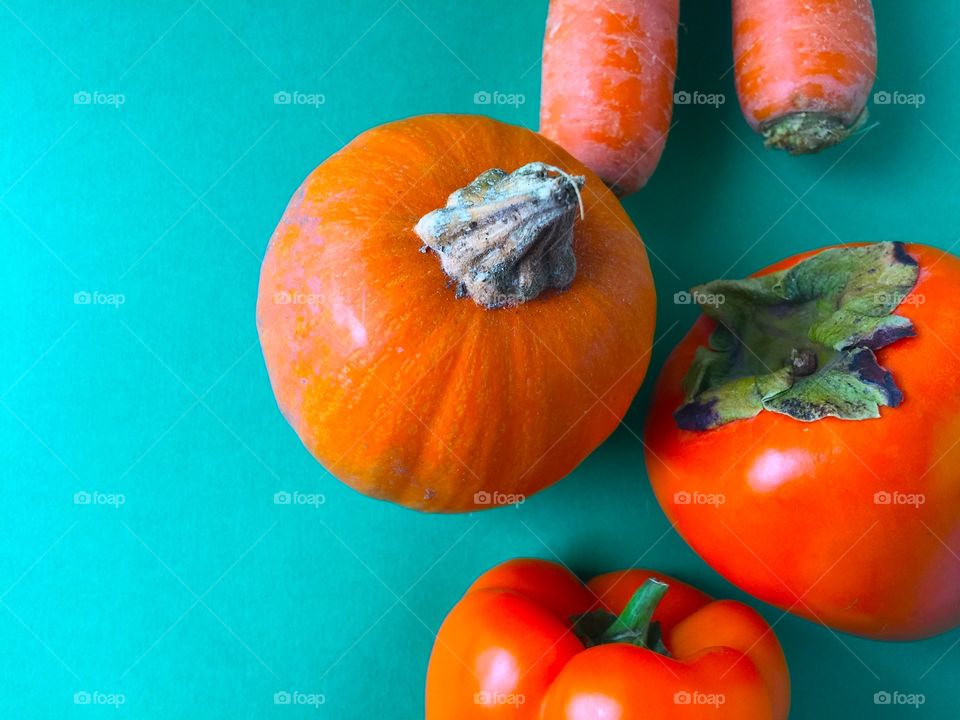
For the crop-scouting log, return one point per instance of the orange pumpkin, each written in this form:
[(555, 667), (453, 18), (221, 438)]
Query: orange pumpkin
[(450, 338)]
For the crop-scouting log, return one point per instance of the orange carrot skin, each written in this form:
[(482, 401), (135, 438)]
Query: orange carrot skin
[(607, 94), (804, 69)]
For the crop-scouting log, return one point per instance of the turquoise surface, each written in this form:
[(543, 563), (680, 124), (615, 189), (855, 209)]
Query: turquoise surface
[(156, 192)]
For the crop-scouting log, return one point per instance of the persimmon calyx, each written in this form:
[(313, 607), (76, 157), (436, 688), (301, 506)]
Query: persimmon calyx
[(801, 341), (634, 625), (506, 237)]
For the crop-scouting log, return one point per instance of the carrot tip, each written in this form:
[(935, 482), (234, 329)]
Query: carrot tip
[(618, 190), (804, 133)]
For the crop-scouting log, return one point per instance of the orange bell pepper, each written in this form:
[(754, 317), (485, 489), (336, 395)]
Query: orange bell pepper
[(529, 641)]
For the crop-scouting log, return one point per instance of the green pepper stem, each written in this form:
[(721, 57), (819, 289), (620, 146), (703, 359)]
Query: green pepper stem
[(634, 626), (638, 614)]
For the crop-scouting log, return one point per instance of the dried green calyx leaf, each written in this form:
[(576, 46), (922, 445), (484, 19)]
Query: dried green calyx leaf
[(801, 341)]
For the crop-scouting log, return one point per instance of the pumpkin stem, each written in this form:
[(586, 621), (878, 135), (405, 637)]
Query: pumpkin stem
[(505, 238)]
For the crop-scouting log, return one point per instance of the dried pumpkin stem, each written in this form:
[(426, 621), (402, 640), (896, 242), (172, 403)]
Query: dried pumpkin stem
[(506, 237)]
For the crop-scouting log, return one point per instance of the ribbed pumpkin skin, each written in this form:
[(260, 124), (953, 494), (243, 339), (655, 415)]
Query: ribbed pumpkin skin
[(409, 394)]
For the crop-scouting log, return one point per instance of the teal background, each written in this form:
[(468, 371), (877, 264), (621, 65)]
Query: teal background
[(201, 598)]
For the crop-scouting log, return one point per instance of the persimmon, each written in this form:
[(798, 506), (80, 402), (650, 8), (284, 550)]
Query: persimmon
[(454, 313), (607, 91), (804, 69), (803, 437)]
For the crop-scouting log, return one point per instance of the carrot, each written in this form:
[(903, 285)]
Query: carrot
[(607, 92), (804, 69)]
